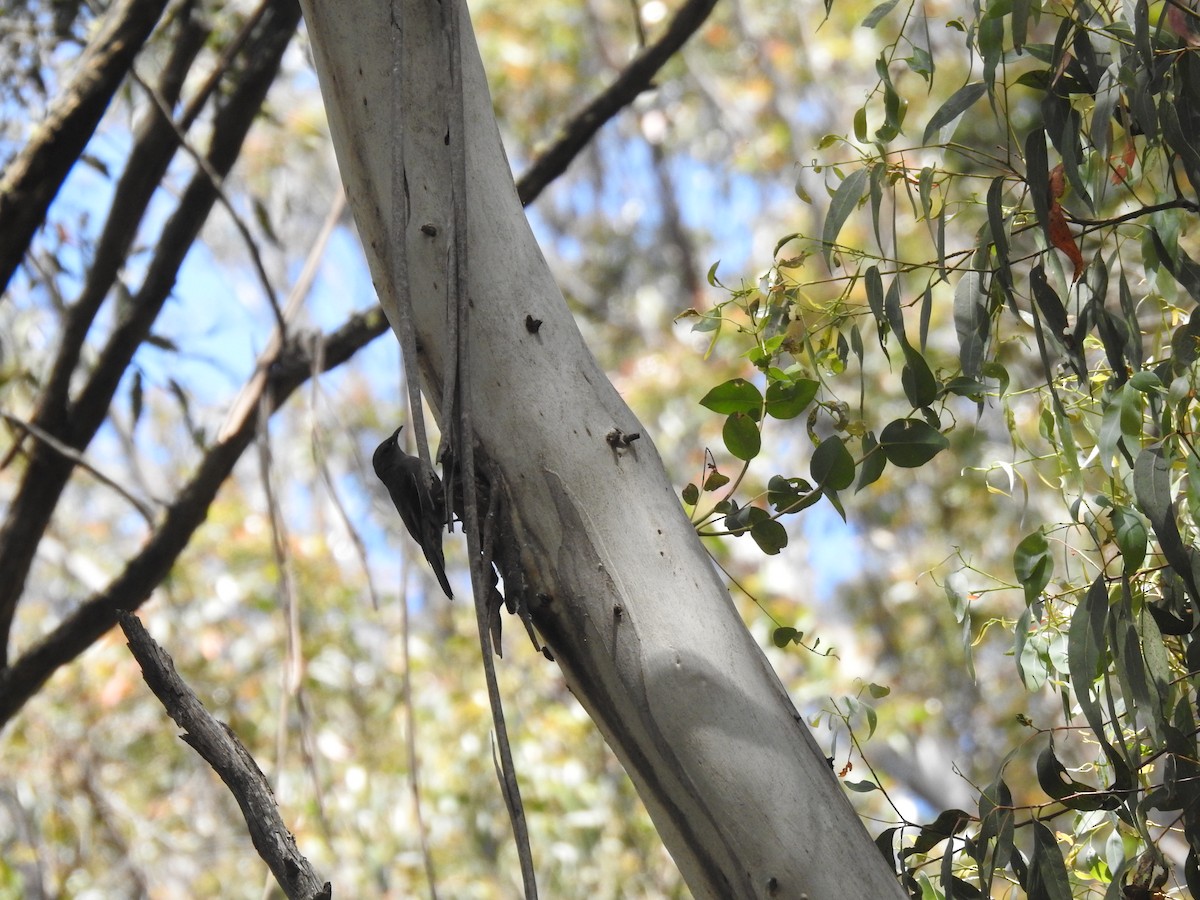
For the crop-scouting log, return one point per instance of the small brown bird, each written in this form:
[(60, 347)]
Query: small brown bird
[(417, 493)]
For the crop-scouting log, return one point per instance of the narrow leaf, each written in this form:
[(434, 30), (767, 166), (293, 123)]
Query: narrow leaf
[(845, 199), (962, 100), (1047, 871), (971, 323)]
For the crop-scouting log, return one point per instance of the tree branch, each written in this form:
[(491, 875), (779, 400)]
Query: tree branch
[(78, 459), (48, 472), (34, 177), (144, 572), (229, 758), (153, 148), (636, 78)]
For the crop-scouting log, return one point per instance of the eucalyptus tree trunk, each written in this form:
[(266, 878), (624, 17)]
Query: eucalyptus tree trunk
[(592, 539)]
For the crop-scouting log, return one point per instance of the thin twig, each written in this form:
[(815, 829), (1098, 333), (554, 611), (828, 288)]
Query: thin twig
[(410, 746), (144, 508), (184, 515), (322, 463), (218, 184)]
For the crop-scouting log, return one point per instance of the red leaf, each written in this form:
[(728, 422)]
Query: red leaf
[(1060, 233)]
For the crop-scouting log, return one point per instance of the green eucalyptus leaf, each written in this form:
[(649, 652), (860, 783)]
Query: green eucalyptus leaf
[(960, 101), (972, 323), (742, 437), (844, 201), (909, 443), (734, 396), (789, 495), (832, 465), (715, 480), (920, 387), (1047, 871), (875, 16), (874, 461), (786, 401), (770, 536), (1034, 565), (860, 787), (1132, 536)]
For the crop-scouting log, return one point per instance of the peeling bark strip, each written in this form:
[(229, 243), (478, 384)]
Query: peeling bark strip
[(738, 789)]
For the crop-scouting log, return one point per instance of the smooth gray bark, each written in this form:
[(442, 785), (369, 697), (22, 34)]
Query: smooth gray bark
[(593, 538)]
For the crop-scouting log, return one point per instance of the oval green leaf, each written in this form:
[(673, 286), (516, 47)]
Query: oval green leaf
[(832, 465), (783, 635), (909, 443), (734, 396), (770, 536), (741, 436), (786, 401)]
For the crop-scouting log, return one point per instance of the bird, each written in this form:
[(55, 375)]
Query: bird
[(417, 493)]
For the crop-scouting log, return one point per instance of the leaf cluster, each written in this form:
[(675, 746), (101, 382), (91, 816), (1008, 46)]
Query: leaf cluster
[(1070, 292)]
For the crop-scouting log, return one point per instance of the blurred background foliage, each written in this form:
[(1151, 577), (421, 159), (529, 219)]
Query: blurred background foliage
[(310, 653)]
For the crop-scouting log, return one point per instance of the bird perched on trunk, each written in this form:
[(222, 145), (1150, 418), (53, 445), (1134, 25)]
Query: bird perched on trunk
[(417, 492)]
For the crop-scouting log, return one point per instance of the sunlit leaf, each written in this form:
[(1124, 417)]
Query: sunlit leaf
[(875, 16), (715, 480), (734, 396), (972, 323)]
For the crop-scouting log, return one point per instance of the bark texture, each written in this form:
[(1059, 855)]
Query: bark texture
[(594, 541)]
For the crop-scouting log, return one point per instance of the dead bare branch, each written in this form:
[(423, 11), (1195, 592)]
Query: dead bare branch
[(229, 758)]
